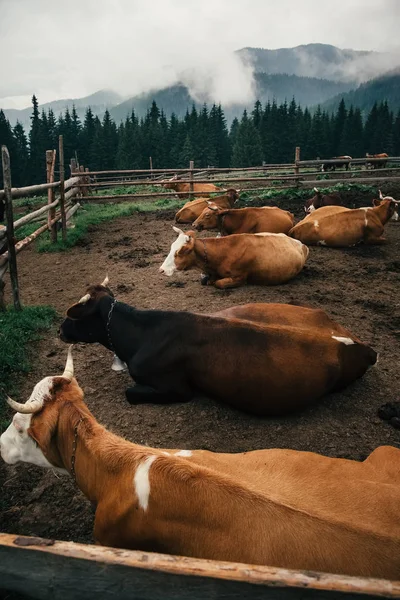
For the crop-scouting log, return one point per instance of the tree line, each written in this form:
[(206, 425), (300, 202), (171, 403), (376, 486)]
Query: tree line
[(268, 133)]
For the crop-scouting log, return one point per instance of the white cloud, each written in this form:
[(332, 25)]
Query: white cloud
[(59, 49)]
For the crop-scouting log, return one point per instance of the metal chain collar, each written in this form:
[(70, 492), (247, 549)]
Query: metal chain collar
[(74, 445), (114, 302)]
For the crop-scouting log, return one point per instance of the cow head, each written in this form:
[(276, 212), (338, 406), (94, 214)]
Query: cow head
[(208, 218), (181, 255), (314, 202), (392, 206), (233, 195), (170, 184), (84, 322), (30, 436)]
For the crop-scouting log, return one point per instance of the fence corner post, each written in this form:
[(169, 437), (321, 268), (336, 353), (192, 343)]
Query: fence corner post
[(12, 257)]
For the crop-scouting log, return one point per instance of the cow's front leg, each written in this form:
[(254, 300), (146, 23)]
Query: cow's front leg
[(229, 282)]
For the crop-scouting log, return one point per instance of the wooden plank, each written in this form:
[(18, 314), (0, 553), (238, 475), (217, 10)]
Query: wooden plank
[(31, 190), (191, 168), (12, 255), (221, 181), (62, 188), (52, 570), (50, 164)]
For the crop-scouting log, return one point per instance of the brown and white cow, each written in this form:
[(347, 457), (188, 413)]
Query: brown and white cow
[(200, 189), (337, 226), (376, 164), (261, 258), (320, 199), (244, 220), (290, 509), (382, 198), (193, 209), (331, 166)]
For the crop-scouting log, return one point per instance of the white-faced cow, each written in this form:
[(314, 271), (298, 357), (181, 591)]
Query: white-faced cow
[(337, 226), (270, 367), (260, 258), (382, 198), (244, 220), (320, 199), (290, 509)]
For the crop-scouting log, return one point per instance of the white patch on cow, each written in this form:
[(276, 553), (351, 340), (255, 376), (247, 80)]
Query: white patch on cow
[(311, 209), (17, 446), (118, 365), (344, 340), (316, 224), (265, 234), (166, 453), (169, 267), (395, 216), (186, 453), (142, 481), (321, 243)]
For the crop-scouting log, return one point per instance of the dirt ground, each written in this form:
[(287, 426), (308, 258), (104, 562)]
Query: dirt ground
[(359, 287)]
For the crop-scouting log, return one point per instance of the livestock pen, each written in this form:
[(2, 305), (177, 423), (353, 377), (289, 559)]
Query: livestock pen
[(356, 286)]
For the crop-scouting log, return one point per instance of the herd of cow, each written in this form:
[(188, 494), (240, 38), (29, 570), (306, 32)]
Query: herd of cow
[(285, 508)]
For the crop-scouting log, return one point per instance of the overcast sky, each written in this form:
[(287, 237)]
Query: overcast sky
[(72, 48)]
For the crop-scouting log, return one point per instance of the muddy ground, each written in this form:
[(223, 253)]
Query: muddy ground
[(359, 287)]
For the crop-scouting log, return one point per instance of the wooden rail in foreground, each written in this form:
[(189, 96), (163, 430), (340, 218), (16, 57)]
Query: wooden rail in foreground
[(53, 570)]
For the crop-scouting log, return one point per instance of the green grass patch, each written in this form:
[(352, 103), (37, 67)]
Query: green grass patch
[(17, 330), (94, 214)]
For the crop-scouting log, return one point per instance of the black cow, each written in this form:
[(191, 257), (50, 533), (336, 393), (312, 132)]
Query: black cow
[(331, 166), (171, 355)]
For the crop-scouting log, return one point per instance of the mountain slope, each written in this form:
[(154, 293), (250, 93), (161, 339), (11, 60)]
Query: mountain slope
[(385, 87), (98, 101), (319, 60)]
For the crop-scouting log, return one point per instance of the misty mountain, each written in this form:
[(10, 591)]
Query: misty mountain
[(177, 98), (385, 87), (99, 102), (320, 60)]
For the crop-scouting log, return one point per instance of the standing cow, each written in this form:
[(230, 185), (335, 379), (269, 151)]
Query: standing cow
[(378, 163)]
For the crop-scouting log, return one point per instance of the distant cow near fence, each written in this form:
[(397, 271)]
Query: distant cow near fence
[(379, 164), (199, 189), (331, 166)]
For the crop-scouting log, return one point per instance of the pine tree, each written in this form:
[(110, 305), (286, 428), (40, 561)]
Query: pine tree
[(7, 139), (340, 120), (37, 157), (219, 137), (20, 168), (247, 151), (86, 138)]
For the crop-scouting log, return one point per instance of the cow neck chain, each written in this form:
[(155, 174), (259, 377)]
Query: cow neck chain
[(110, 312), (74, 445), (221, 223)]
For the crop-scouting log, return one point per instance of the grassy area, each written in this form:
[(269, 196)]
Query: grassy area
[(248, 197), (17, 330)]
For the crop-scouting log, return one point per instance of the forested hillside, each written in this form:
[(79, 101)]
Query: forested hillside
[(270, 133)]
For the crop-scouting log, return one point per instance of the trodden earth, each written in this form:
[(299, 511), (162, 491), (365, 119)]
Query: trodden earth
[(359, 287)]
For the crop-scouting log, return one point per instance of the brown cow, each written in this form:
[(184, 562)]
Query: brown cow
[(244, 220), (305, 510), (320, 199), (337, 226), (262, 258), (193, 209), (200, 189), (376, 164)]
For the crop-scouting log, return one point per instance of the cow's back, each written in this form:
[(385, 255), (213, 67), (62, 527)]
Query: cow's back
[(274, 258), (193, 209)]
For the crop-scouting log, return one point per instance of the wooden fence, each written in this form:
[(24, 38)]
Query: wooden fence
[(57, 208), (52, 570)]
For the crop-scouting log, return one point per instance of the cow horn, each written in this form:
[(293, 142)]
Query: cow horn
[(84, 299), (105, 282), (69, 366), (380, 195), (177, 230), (27, 408), (316, 190)]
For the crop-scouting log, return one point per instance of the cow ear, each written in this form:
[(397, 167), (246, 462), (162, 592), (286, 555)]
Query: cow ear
[(80, 310), (376, 202), (188, 246)]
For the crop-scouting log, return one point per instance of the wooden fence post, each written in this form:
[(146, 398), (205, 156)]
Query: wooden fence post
[(12, 257), (191, 167), (50, 164), (296, 160), (83, 189), (151, 167), (73, 167), (62, 189)]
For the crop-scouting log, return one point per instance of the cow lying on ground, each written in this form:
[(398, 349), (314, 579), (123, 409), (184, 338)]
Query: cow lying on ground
[(382, 198), (337, 226), (331, 166), (193, 209), (270, 368), (376, 164), (283, 508), (244, 220), (260, 258), (306, 511), (320, 199), (200, 189)]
